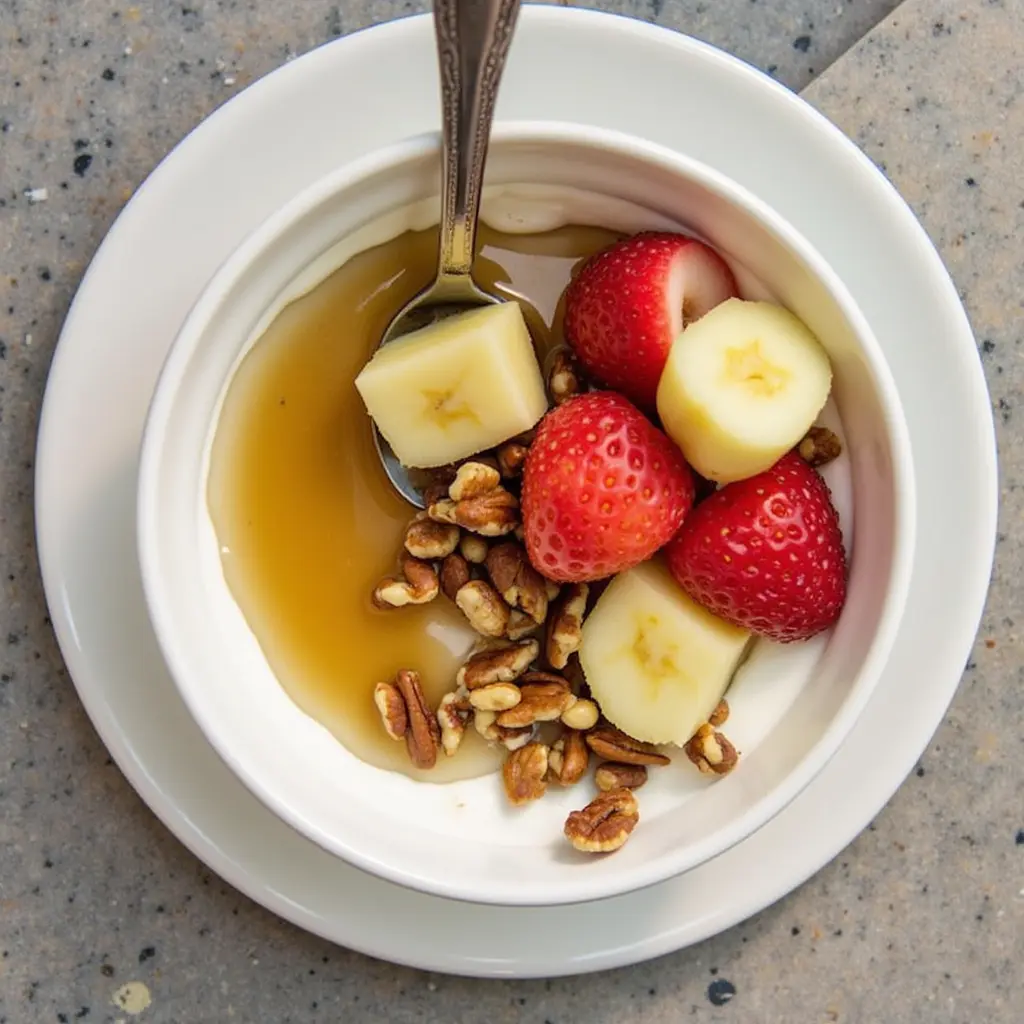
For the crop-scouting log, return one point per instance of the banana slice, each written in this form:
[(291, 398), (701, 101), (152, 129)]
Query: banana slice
[(455, 388), (741, 386), (656, 661)]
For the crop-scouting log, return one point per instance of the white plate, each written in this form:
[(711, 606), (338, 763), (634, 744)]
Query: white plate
[(249, 158)]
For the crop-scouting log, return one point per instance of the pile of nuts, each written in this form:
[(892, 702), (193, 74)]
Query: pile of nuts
[(523, 689)]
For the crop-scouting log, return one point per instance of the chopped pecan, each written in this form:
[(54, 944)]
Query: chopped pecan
[(565, 624), (451, 718), (473, 480), (581, 715), (525, 773), (516, 580), (491, 515), (564, 379), (484, 607), (392, 709), (454, 574), (473, 548), (511, 457), (498, 664), (417, 584), (819, 447), (569, 757), (711, 752), (431, 541), (485, 723), (605, 823), (544, 698), (520, 625), (514, 739), (614, 745), (423, 735), (611, 775), (720, 715), (495, 697)]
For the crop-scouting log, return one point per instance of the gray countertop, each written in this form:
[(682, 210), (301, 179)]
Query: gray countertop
[(921, 918)]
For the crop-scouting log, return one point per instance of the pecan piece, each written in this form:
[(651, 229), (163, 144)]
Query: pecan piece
[(417, 584), (819, 447), (565, 624), (392, 709), (516, 580), (423, 735), (544, 699), (473, 548), (720, 715), (711, 752), (525, 773), (454, 574), (569, 757), (514, 739), (613, 744), (564, 378), (605, 823), (511, 457), (473, 480), (430, 541), (520, 625), (497, 665), (581, 715), (611, 775), (484, 607), (451, 719), (495, 697)]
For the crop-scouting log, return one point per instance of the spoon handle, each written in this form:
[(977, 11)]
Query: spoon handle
[(473, 38)]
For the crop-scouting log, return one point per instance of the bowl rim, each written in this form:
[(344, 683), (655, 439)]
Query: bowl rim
[(227, 277)]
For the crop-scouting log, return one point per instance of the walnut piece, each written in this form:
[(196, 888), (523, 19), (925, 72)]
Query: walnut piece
[(614, 745), (711, 752), (484, 607), (525, 773), (516, 580), (451, 719), (454, 574), (431, 541), (392, 709), (472, 480), (511, 458), (498, 664), (545, 697), (720, 715), (611, 776), (423, 734), (473, 548), (417, 584), (495, 697), (819, 447), (569, 758), (582, 715), (605, 823), (564, 378), (565, 624)]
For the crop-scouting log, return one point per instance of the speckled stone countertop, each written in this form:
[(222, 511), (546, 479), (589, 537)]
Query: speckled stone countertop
[(922, 918)]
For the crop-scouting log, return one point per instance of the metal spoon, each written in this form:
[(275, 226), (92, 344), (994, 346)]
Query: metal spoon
[(473, 38)]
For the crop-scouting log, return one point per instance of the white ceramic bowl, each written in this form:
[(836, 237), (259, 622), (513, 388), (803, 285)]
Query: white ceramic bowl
[(791, 706)]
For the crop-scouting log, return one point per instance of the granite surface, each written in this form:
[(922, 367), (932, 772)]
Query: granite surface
[(102, 910)]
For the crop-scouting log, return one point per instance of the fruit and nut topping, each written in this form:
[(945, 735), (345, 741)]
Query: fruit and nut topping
[(618, 530)]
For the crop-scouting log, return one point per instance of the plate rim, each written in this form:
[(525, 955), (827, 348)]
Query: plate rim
[(94, 703)]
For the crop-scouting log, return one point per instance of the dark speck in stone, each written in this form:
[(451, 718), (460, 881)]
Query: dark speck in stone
[(802, 43), (82, 1013), (108, 75), (920, 772), (794, 930), (3, 349), (714, 971), (988, 346), (107, 970), (109, 143), (82, 163), (772, 68), (63, 1018), (147, 954), (970, 182), (44, 274), (47, 863), (81, 144), (720, 992), (1019, 839)]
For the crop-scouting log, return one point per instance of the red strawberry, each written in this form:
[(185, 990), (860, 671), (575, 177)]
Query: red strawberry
[(766, 553), (630, 302), (603, 489)]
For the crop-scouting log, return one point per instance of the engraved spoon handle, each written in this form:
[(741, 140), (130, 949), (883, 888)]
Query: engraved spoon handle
[(473, 38)]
